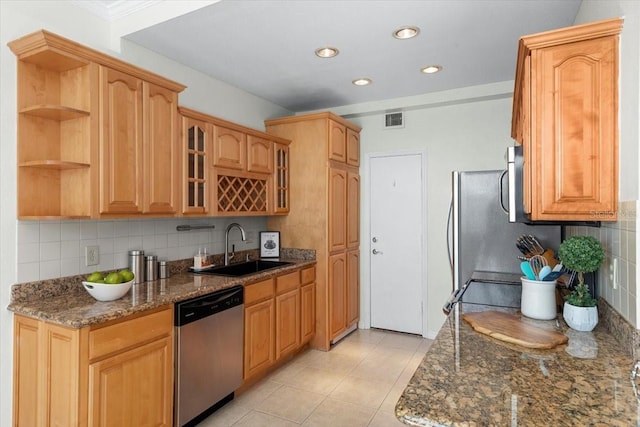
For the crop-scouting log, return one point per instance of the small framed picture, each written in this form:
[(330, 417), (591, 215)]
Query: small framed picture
[(269, 244)]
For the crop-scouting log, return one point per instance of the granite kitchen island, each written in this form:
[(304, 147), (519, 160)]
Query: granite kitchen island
[(470, 379)]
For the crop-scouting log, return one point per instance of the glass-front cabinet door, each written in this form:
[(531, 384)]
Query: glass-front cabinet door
[(196, 135), (281, 179)]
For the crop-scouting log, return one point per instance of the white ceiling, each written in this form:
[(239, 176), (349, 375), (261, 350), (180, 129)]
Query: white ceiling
[(266, 47)]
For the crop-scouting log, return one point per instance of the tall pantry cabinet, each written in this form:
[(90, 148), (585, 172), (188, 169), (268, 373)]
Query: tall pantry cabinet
[(324, 213)]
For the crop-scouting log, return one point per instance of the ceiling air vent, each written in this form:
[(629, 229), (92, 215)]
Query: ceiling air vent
[(394, 120)]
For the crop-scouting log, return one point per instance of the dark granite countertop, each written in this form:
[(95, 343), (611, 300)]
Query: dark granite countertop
[(470, 379), (75, 308)]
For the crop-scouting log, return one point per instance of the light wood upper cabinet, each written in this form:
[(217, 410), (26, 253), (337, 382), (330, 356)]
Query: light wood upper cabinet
[(566, 118), (281, 179), (353, 148), (55, 99), (161, 150), (229, 148), (337, 141), (259, 155), (239, 177), (196, 135), (344, 144), (86, 122), (139, 151), (121, 178)]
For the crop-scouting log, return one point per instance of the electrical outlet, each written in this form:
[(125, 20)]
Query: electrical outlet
[(91, 255)]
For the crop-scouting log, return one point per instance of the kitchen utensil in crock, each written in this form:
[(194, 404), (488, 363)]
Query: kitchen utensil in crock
[(526, 269), (544, 272), (554, 275), (535, 244), (537, 262), (550, 256)]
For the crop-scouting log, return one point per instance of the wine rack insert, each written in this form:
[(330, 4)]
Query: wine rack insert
[(242, 194)]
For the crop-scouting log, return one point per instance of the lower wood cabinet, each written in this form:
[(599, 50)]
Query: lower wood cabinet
[(114, 374), (259, 337), (307, 305), (279, 318), (287, 313), (133, 387)]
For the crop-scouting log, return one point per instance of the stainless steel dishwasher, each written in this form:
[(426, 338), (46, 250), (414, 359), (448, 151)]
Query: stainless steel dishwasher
[(209, 346)]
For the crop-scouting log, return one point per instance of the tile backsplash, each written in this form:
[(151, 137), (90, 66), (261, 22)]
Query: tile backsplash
[(51, 249), (619, 241)]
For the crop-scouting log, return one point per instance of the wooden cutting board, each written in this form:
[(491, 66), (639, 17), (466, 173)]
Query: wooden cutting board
[(512, 329)]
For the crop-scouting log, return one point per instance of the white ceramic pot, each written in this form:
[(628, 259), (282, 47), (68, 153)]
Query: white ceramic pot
[(580, 318), (538, 299)]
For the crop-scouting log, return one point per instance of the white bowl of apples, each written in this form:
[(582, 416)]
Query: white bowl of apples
[(109, 287)]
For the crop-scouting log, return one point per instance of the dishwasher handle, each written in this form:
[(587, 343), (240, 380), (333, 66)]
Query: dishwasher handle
[(197, 308)]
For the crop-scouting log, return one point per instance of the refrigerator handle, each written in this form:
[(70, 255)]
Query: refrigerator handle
[(452, 229), (501, 185), (449, 237)]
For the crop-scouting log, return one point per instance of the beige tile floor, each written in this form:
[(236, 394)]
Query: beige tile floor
[(357, 383)]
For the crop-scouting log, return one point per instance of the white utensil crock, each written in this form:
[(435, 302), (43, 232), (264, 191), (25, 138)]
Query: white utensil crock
[(538, 299)]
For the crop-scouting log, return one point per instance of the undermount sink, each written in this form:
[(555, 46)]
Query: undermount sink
[(244, 268)]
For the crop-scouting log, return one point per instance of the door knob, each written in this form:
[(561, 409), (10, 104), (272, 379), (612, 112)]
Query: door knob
[(376, 252)]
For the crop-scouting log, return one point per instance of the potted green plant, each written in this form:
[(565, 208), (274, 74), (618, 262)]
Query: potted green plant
[(582, 254)]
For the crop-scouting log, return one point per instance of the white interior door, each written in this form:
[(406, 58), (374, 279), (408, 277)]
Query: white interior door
[(396, 255)]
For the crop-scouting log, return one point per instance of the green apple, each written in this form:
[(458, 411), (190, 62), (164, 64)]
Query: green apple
[(127, 275), (95, 277), (113, 279)]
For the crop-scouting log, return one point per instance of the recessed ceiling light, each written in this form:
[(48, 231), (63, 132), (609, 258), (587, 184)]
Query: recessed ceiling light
[(362, 82), (406, 32), (430, 69), (327, 52)]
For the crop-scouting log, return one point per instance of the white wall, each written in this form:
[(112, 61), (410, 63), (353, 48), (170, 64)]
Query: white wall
[(463, 129), (18, 18)]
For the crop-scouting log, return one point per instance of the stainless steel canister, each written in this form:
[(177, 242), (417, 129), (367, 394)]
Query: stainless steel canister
[(136, 265), (163, 269), (152, 268)]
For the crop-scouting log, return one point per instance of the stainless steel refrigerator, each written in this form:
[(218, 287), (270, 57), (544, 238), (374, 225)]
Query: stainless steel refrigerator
[(482, 241)]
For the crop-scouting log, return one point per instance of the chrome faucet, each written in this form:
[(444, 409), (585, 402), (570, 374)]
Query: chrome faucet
[(226, 241)]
